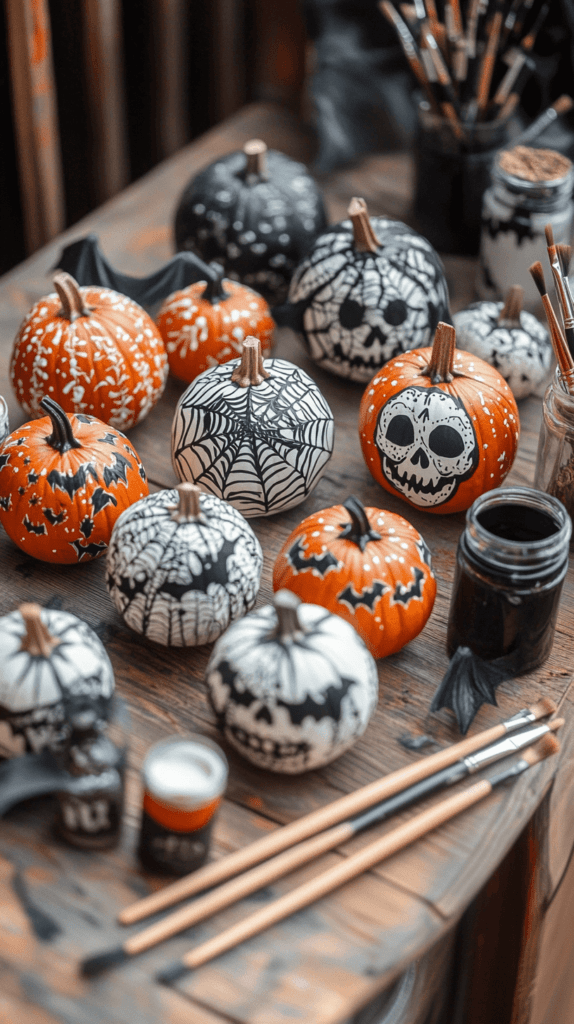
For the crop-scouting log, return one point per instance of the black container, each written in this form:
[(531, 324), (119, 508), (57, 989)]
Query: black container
[(511, 562)]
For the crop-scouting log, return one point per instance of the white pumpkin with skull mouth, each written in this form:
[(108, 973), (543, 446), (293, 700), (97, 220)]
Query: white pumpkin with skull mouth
[(54, 668), (510, 339), (427, 444), (292, 686)]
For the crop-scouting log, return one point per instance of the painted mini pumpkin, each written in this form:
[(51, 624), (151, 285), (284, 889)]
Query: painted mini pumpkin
[(438, 427), (206, 324), (93, 351), (257, 433), (370, 289), (369, 566), (292, 686), (257, 212), (510, 339), (64, 482), (181, 566), (53, 670)]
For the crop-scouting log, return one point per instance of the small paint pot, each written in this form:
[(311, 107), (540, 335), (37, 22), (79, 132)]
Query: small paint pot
[(184, 781)]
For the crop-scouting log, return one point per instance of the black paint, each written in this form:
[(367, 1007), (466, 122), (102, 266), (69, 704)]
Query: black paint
[(415, 742), (163, 850), (299, 561), (515, 522), (368, 596)]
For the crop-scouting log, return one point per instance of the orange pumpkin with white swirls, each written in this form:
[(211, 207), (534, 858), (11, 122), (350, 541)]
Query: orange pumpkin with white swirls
[(93, 351)]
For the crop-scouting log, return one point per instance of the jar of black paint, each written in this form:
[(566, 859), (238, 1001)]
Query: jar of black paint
[(511, 562)]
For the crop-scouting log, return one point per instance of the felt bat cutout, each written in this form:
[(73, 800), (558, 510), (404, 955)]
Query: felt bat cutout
[(30, 775), (468, 682), (85, 261)]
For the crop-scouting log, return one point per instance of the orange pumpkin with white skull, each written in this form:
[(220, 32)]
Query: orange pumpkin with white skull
[(206, 323), (64, 482), (367, 565), (93, 351)]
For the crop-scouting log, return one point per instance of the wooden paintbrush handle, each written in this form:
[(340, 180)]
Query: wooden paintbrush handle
[(296, 831), (331, 879), (238, 888)]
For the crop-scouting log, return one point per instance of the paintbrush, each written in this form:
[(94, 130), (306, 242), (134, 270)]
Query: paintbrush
[(296, 856), (565, 255), (561, 350), (519, 60), (488, 60), (331, 814), (560, 106), (409, 47), (356, 864), (449, 103), (567, 311)]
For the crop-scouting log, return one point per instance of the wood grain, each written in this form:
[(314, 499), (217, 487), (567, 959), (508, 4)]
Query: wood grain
[(320, 965)]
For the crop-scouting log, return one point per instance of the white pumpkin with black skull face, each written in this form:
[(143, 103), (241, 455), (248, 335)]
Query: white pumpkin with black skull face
[(292, 686), (53, 670), (255, 432), (427, 444), (370, 289), (182, 565), (510, 339)]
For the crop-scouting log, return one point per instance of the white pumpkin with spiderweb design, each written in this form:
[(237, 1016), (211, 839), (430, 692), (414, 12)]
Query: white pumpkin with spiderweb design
[(53, 669), (182, 565), (255, 432), (292, 685), (370, 289)]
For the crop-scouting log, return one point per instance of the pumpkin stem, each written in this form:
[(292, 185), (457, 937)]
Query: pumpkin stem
[(214, 291), (250, 369), (70, 297), (365, 238), (256, 152), (440, 367), (188, 506), (62, 436), (37, 641), (509, 315), (359, 529), (286, 604)]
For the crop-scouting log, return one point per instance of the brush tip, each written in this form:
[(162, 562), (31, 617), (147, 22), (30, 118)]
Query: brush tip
[(546, 747), (563, 104), (543, 707), (100, 962), (173, 972), (556, 724), (549, 235), (537, 274), (564, 255)]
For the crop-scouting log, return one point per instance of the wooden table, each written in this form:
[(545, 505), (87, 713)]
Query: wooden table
[(322, 965)]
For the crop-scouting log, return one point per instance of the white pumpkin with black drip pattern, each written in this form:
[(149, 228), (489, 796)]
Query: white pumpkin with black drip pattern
[(509, 338), (371, 289), (53, 669), (257, 433), (182, 565), (292, 685)]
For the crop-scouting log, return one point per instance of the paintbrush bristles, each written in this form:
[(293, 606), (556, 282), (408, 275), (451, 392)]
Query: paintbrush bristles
[(543, 707), (556, 724), (549, 235), (564, 255), (537, 275), (546, 747), (563, 104)]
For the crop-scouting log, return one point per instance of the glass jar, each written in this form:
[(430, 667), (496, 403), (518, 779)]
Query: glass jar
[(511, 562), (555, 459), (451, 175), (515, 213), (4, 424)]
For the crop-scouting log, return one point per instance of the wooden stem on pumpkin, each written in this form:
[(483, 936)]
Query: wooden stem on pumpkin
[(70, 297), (440, 367), (250, 370), (37, 641), (62, 436), (359, 529), (256, 152), (214, 291), (188, 506), (288, 625), (365, 238), (509, 315)]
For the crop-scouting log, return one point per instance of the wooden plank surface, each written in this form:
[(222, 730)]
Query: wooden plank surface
[(316, 966)]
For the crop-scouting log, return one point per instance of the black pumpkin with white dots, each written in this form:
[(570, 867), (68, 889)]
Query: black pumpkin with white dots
[(509, 338), (257, 433), (182, 565), (53, 669), (257, 212), (371, 289), (292, 685)]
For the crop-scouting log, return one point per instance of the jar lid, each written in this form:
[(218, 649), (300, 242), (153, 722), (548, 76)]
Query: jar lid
[(186, 772)]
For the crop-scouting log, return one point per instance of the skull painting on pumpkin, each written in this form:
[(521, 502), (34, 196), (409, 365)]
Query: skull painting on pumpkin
[(427, 444)]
